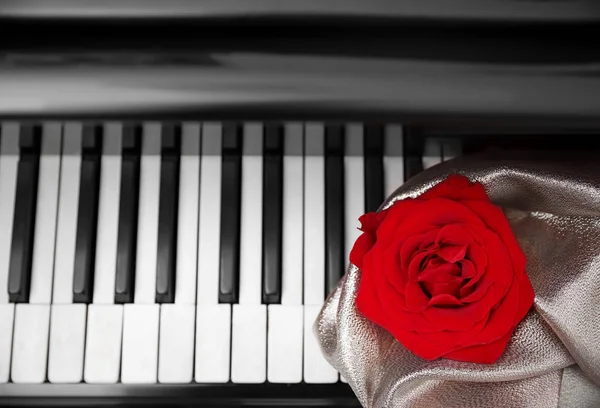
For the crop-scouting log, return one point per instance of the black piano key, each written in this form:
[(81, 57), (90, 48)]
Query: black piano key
[(167, 215), (128, 214), (230, 213), (19, 275), (334, 205), (87, 219), (414, 148), (373, 162), (272, 214)]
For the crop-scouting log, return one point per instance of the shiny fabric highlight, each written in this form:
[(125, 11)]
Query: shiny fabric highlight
[(553, 359)]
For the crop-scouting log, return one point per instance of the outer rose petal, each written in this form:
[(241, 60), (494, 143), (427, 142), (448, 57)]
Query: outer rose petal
[(391, 298), (367, 300), (510, 312), (390, 267), (416, 300), (461, 318), (499, 270), (362, 245), (369, 224), (454, 234), (456, 187), (483, 354), (502, 318), (425, 217), (496, 221), (396, 215)]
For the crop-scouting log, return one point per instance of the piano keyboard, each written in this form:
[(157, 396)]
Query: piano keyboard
[(177, 253)]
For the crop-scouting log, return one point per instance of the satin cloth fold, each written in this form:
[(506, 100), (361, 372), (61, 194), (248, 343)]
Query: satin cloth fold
[(553, 358)]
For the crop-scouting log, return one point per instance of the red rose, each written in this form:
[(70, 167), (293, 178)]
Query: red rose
[(443, 273)]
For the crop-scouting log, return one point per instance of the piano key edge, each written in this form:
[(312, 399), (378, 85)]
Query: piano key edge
[(229, 394)]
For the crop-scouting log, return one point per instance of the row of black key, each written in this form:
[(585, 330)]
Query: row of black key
[(232, 152)]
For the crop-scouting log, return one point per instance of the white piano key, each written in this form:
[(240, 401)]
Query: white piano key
[(213, 343), (140, 344), (209, 234), (103, 344), (7, 315), (432, 153), (316, 369), (108, 215), (30, 343), (66, 227), (251, 218), (42, 269), (67, 343), (249, 344), (354, 186), (393, 159), (285, 338), (314, 220), (187, 227), (9, 160), (147, 238), (293, 215), (176, 344)]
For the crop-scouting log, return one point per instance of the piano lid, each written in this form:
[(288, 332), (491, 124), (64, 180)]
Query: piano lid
[(578, 11), (461, 60)]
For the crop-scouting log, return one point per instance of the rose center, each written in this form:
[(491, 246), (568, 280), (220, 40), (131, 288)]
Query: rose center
[(441, 273)]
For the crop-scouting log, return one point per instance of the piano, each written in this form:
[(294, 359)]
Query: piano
[(180, 182)]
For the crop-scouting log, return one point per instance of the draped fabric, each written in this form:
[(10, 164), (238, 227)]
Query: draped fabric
[(553, 358)]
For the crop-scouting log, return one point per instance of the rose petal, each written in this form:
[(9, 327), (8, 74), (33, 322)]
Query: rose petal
[(499, 270), (441, 274), (367, 300), (482, 354), (476, 253), (454, 234), (455, 340), (390, 266), (391, 296), (452, 253), (416, 299), (370, 221), (362, 245), (495, 220), (414, 269), (443, 288), (399, 212), (428, 216), (467, 269), (444, 299), (412, 244), (470, 295), (429, 345), (460, 318), (502, 318), (457, 187)]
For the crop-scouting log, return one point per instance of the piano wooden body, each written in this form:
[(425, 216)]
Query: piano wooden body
[(180, 181)]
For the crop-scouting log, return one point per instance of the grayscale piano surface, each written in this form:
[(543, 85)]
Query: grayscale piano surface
[(180, 188)]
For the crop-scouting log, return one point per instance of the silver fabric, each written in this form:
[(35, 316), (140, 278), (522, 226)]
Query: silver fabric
[(553, 359)]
